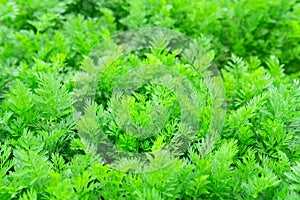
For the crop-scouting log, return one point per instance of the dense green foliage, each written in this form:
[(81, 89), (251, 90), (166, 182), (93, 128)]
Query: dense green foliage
[(43, 60)]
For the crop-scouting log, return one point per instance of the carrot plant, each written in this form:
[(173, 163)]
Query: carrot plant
[(69, 128)]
